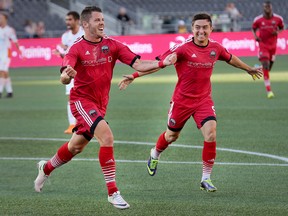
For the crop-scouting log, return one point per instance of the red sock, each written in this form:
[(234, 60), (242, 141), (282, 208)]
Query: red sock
[(266, 79), (62, 156), (108, 165), (208, 158), (162, 144)]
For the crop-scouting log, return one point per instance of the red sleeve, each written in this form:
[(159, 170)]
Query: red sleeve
[(163, 55), (70, 58), (281, 24), (255, 25), (125, 55), (224, 54)]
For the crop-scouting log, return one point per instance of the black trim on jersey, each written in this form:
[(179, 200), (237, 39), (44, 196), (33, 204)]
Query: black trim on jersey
[(174, 129), (208, 119), (62, 68), (135, 58), (91, 41), (85, 135), (230, 57), (95, 123), (198, 45)]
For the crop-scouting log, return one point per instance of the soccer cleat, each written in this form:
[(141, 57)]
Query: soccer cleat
[(41, 178), (117, 201), (207, 185), (69, 130), (270, 95), (9, 95), (152, 165)]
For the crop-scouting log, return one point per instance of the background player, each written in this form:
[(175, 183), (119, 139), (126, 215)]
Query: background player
[(192, 96), (90, 61), (7, 34), (74, 31), (269, 26)]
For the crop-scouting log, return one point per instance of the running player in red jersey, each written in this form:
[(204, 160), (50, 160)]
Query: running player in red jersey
[(192, 96), (269, 26), (90, 61)]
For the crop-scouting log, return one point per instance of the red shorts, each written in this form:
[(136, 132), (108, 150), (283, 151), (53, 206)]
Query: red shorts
[(267, 53), (87, 117), (201, 112)]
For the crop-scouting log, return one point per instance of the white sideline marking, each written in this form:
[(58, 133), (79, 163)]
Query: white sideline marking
[(145, 161), (152, 144)]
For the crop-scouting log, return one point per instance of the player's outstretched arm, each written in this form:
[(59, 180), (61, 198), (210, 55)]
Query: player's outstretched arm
[(256, 73), (128, 79), (142, 68), (147, 66)]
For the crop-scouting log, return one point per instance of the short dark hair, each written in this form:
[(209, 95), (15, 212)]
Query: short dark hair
[(87, 11), (268, 2), (202, 16), (4, 13), (74, 14)]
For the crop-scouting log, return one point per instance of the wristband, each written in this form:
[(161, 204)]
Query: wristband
[(161, 64), (135, 74)]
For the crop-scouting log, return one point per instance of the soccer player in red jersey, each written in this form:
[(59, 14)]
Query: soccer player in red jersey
[(74, 31), (196, 58), (90, 62), (269, 26)]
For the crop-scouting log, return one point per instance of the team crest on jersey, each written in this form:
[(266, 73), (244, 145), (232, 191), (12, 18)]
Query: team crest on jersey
[(213, 54), (93, 113), (172, 122), (105, 49)]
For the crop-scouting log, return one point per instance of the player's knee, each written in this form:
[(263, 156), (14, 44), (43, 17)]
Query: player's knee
[(106, 141), (76, 149), (171, 138), (266, 65), (210, 136)]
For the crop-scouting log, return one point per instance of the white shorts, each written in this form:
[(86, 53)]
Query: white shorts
[(4, 61), (69, 87)]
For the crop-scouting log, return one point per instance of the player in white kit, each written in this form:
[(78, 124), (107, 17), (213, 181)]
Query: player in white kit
[(7, 34), (74, 31)]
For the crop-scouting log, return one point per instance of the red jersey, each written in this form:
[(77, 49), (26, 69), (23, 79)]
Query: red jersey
[(194, 68), (266, 28), (94, 63)]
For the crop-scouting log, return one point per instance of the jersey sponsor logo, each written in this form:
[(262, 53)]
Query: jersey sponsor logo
[(200, 64), (94, 62)]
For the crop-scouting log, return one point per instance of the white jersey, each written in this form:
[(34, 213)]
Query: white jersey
[(68, 37), (7, 34)]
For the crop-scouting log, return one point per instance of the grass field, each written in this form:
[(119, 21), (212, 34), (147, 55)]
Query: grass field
[(252, 157)]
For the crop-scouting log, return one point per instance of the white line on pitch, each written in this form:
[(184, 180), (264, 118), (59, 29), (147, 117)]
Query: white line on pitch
[(152, 144), (144, 162)]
